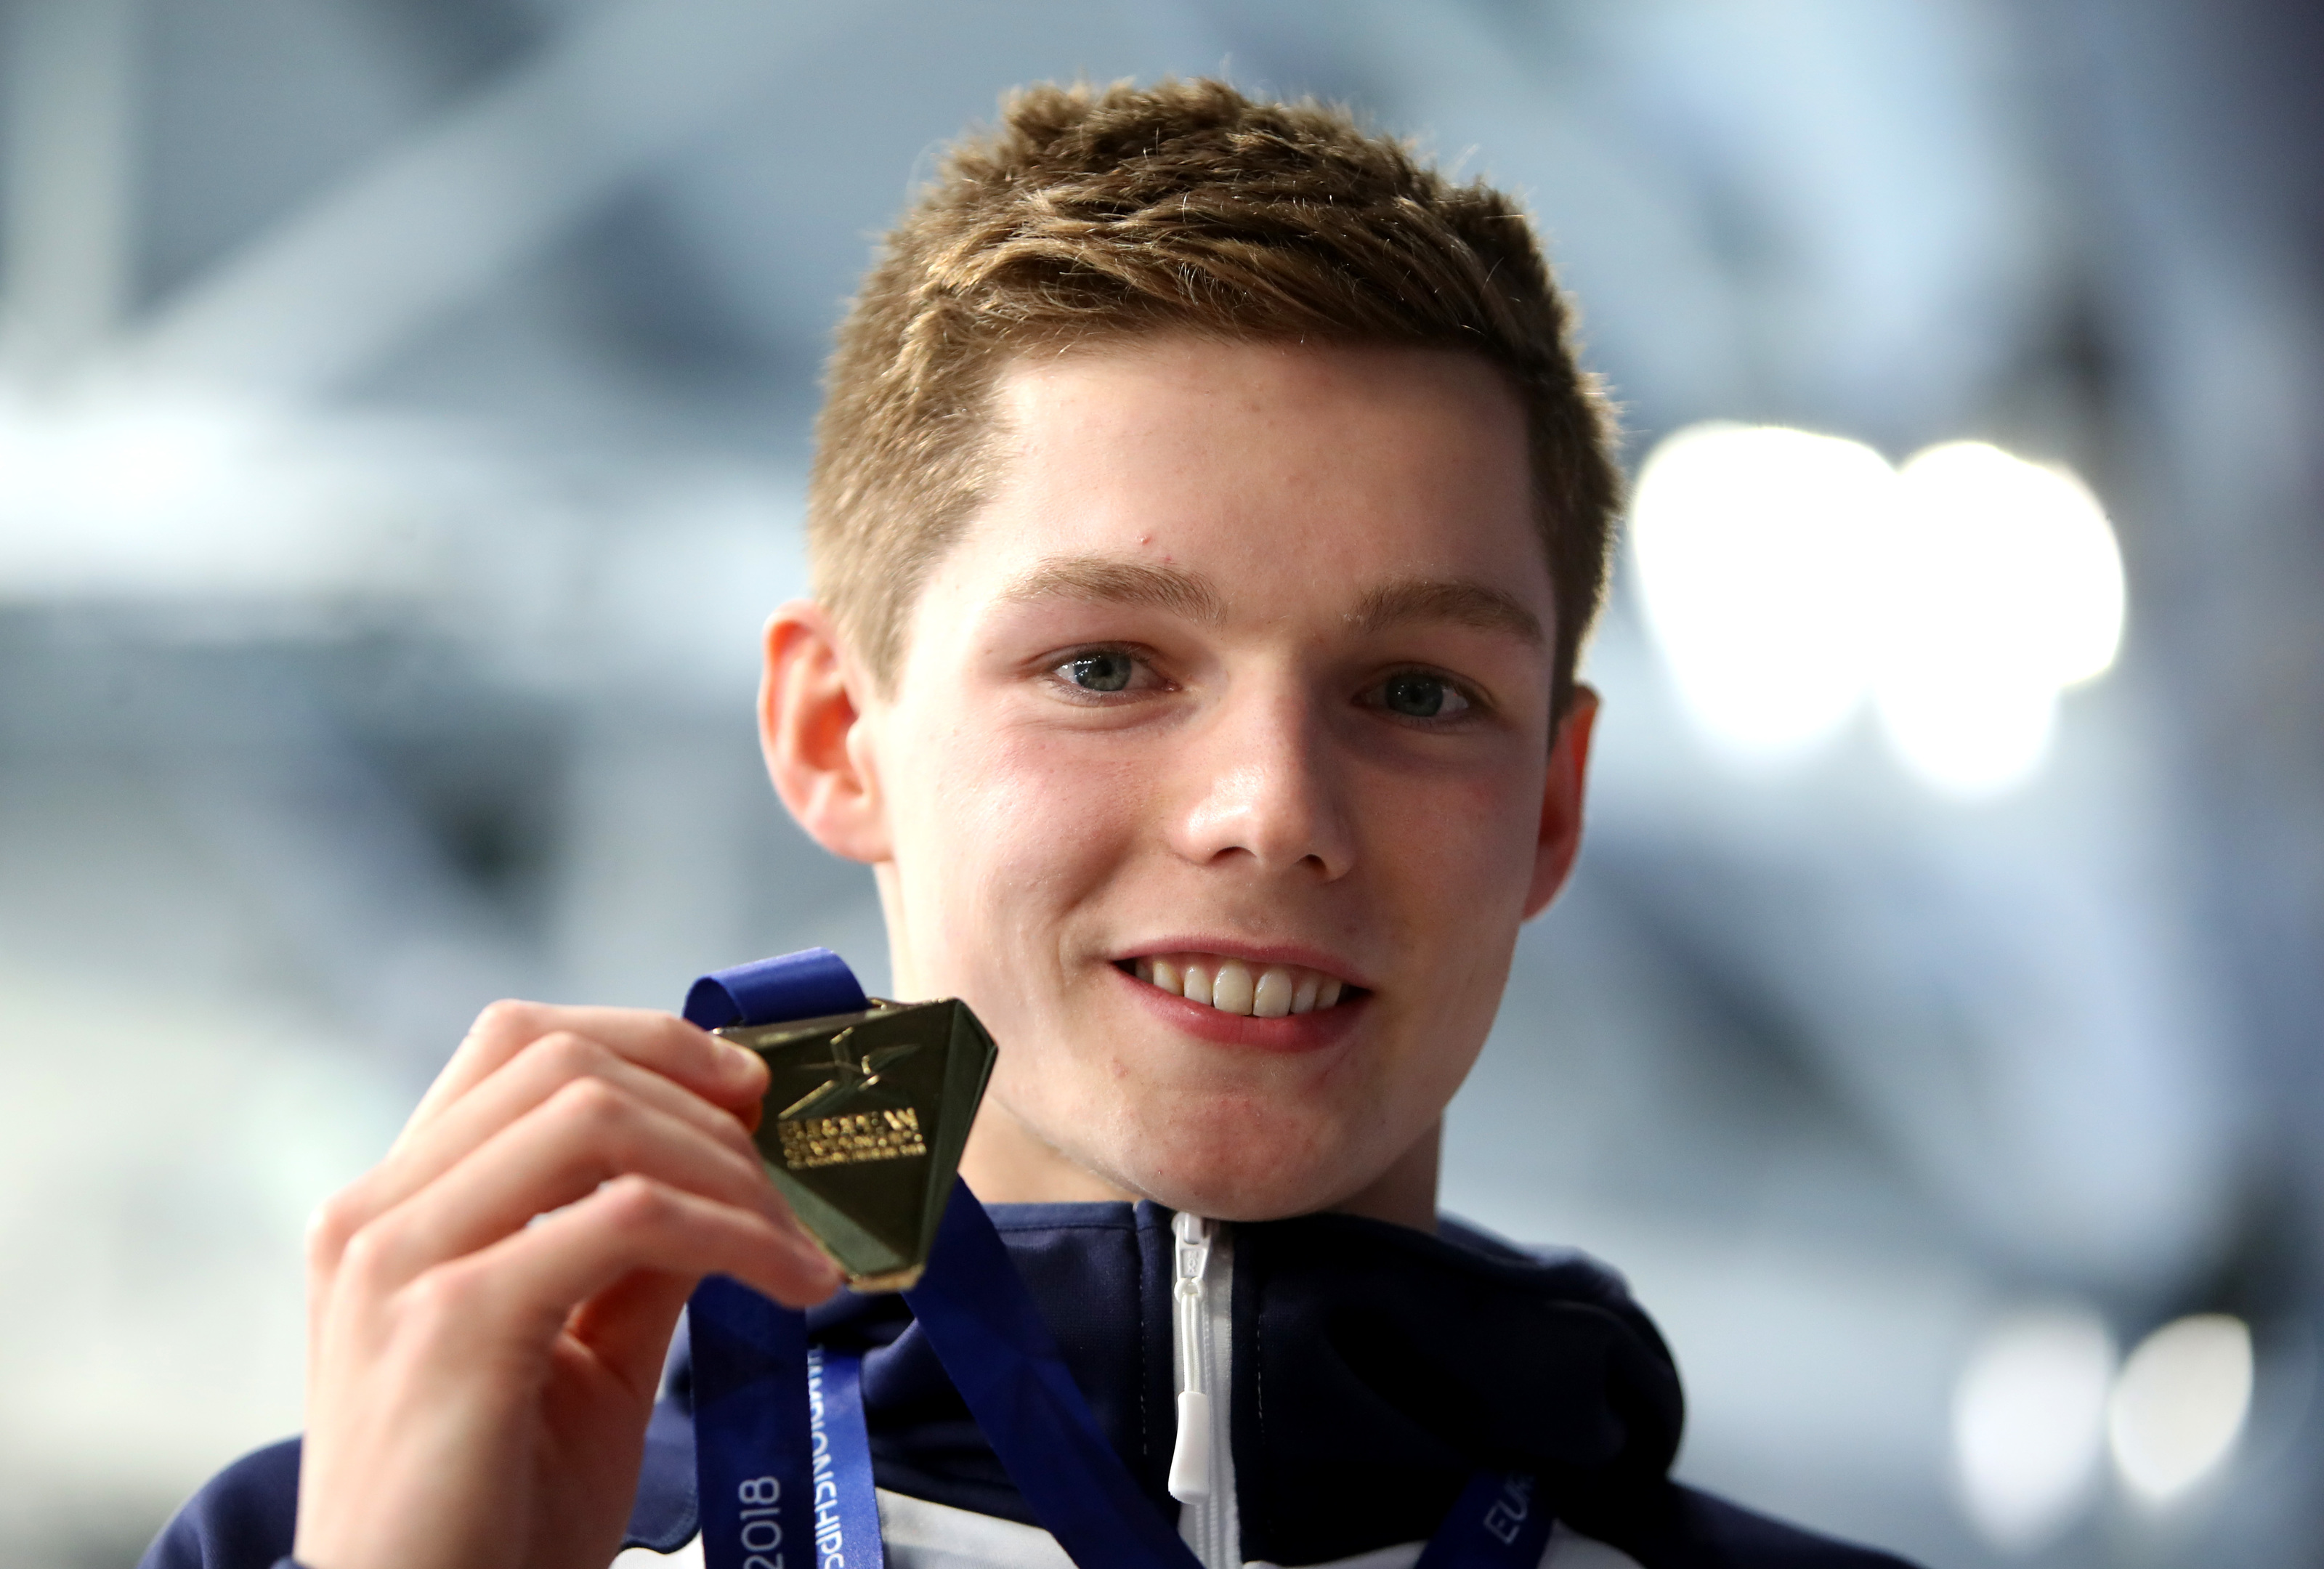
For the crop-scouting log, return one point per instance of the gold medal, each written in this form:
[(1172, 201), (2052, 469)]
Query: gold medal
[(865, 1118)]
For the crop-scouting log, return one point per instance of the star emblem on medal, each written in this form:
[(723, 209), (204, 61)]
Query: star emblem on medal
[(851, 1079)]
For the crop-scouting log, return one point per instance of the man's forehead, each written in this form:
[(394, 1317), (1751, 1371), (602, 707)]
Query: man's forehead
[(1371, 488), (1191, 594)]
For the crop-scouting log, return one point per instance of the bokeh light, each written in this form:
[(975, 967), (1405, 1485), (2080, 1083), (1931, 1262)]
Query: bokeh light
[(2180, 1405), (172, 493), (1972, 727), (1786, 576), (2038, 565), (1753, 546), (2029, 1423), (2005, 587)]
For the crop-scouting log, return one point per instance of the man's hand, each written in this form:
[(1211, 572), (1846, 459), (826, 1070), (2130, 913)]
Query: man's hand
[(488, 1307)]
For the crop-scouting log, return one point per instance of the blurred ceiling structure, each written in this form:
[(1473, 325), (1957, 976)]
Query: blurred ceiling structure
[(403, 412)]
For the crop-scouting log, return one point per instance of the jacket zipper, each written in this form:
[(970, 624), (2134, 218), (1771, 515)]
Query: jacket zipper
[(1201, 1460)]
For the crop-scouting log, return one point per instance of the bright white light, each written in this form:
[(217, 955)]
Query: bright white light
[(1786, 576), (2029, 1423), (2005, 586), (2180, 1405), (1975, 727), (176, 494), (2026, 548), (1754, 547)]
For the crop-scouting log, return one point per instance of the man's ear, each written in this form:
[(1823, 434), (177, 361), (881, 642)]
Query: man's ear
[(812, 732), (1561, 801)]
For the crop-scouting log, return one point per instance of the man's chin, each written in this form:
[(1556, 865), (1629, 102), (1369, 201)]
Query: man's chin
[(1234, 1155), (1243, 1185), (1220, 1202)]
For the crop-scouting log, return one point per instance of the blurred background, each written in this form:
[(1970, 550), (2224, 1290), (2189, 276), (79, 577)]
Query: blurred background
[(403, 412)]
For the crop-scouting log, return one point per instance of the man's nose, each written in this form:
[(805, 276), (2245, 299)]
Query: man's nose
[(1261, 778)]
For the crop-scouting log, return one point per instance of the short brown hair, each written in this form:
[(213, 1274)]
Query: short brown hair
[(1184, 206)]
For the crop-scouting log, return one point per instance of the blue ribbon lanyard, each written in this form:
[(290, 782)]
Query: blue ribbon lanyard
[(846, 1501), (780, 1482), (781, 1452)]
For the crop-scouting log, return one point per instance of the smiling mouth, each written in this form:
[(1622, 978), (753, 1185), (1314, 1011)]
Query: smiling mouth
[(1234, 986)]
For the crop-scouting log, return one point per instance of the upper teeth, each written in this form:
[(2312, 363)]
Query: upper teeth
[(1232, 986)]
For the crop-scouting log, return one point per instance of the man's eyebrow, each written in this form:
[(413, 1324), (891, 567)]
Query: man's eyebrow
[(1463, 601), (1106, 581)]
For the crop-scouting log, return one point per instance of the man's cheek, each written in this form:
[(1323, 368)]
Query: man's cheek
[(1502, 815), (988, 800), (1059, 802), (1481, 843)]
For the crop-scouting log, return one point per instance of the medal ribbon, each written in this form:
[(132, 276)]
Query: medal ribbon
[(1497, 1522), (755, 1450), (846, 1502), (782, 1456), (752, 1454)]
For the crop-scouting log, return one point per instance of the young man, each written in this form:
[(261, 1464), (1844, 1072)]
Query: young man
[(1207, 515)]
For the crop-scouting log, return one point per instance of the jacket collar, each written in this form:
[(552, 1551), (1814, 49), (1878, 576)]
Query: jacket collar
[(1376, 1368)]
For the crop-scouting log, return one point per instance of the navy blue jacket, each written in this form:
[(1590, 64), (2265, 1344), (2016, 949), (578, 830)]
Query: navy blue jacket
[(1376, 1370)]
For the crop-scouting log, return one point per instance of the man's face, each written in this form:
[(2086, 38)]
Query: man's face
[(1244, 668)]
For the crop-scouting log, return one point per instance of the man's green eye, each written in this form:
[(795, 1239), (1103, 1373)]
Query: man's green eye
[(1417, 696), (1100, 672)]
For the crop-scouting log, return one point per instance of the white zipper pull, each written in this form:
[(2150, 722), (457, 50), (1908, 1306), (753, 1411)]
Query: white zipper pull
[(1190, 1456)]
